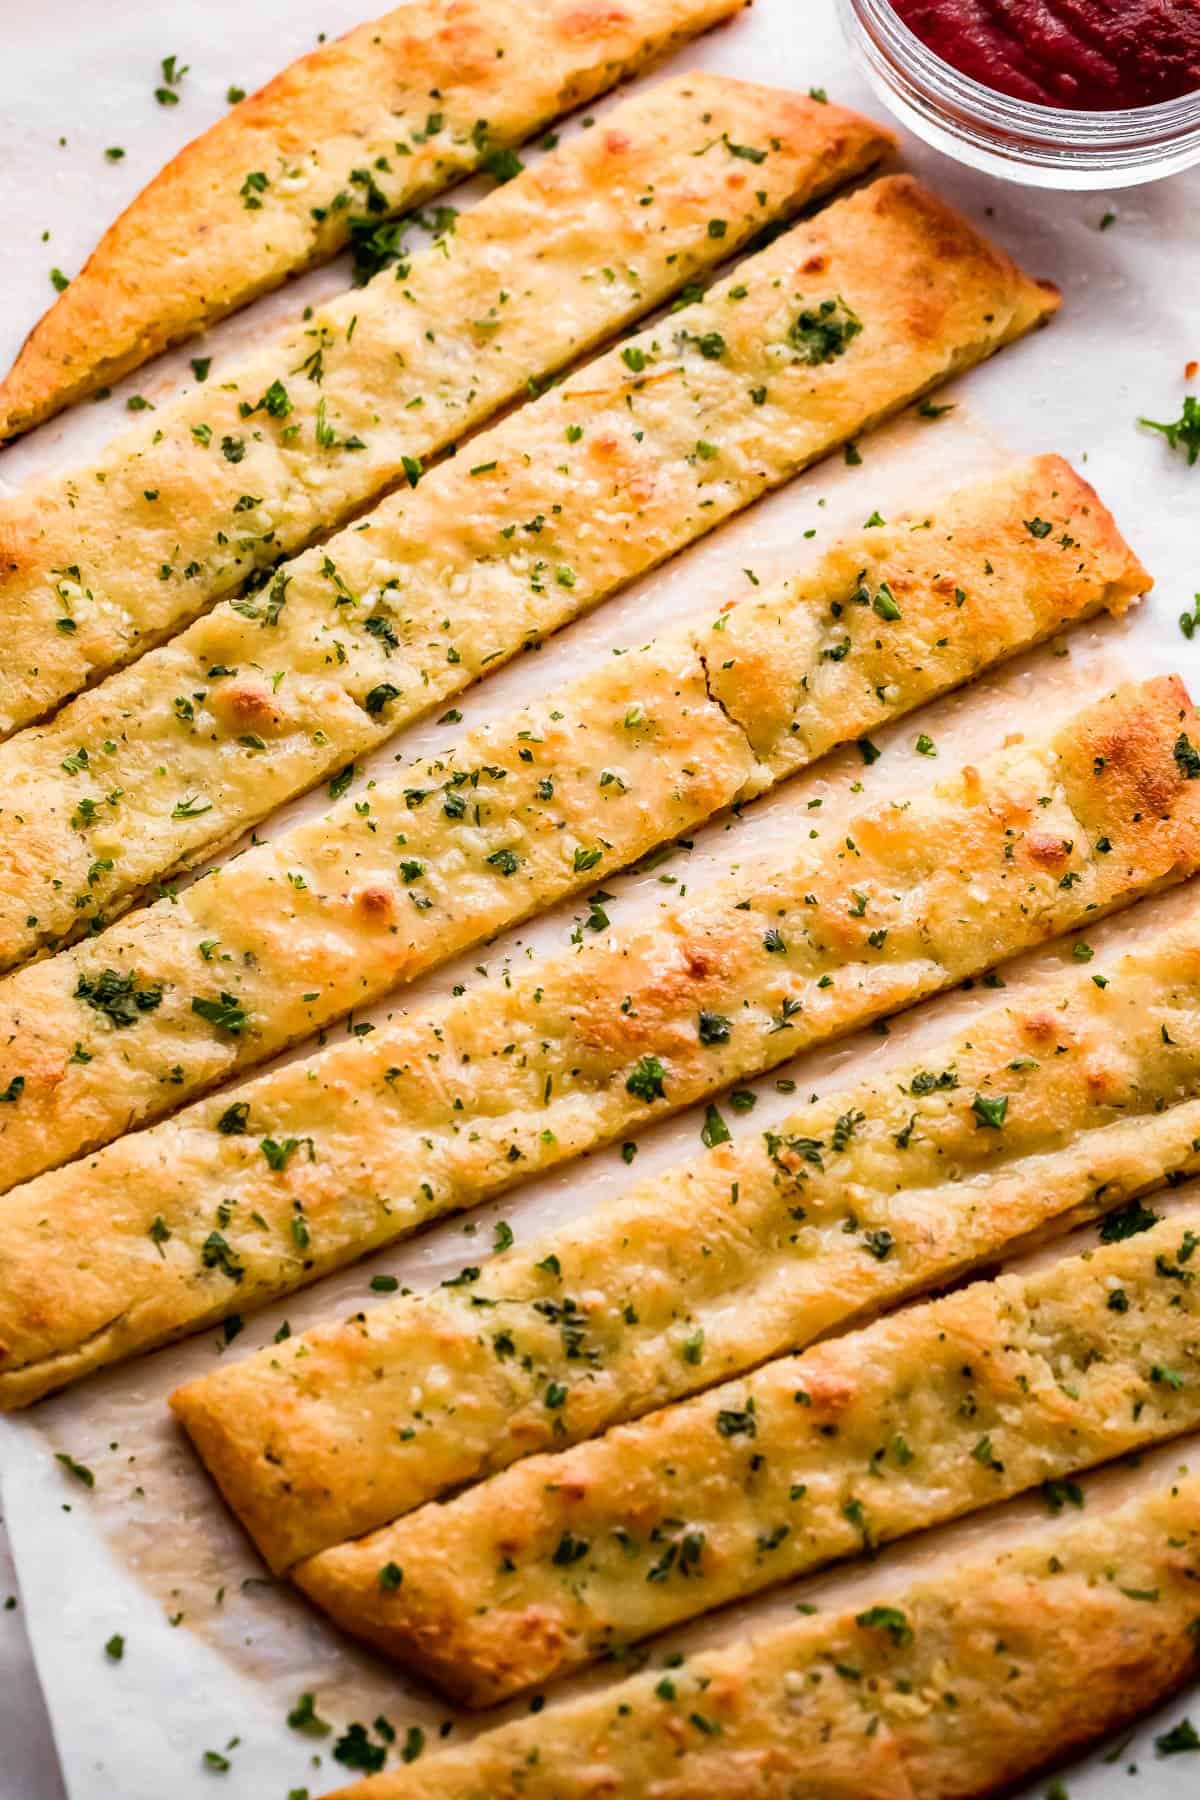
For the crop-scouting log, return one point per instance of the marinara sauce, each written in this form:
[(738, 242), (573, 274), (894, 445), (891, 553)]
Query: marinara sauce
[(1099, 55)]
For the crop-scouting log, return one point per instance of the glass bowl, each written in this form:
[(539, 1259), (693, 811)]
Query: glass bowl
[(1044, 146)]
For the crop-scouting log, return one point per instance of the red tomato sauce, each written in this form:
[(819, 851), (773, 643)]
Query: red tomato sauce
[(1102, 55)]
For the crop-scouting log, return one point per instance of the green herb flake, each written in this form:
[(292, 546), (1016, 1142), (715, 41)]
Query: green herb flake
[(79, 1470), (1182, 433), (990, 1113)]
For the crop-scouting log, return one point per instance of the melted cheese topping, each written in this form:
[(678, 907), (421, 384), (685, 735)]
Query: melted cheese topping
[(168, 1228), (98, 565), (632, 458), (447, 851), (848, 1205), (958, 1683), (339, 142), (939, 1411)]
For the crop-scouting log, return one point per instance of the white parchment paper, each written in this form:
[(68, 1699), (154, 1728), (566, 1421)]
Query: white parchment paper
[(215, 1653)]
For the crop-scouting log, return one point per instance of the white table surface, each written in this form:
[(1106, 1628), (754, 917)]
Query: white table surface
[(85, 72)]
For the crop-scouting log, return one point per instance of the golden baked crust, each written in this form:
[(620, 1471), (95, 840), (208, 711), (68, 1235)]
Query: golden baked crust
[(684, 425), (949, 1687), (393, 879), (706, 1269), (171, 1227), (216, 487), (936, 1411), (328, 916), (971, 575), (367, 126)]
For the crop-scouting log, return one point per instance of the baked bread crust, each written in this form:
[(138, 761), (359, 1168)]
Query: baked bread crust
[(705, 1270), (341, 132), (951, 1687), (496, 548), (327, 917), (938, 1411), (215, 487), (172, 1227)]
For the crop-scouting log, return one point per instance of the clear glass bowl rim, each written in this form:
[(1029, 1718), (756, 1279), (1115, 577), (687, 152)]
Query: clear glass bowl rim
[(1019, 121)]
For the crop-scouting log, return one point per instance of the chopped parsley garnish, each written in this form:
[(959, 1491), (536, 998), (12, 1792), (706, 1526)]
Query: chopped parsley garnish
[(1182, 433), (745, 152), (714, 1130), (226, 1013), (252, 190), (172, 73), (824, 332), (217, 1253), (1059, 1494), (377, 246), (79, 1470), (121, 999), (713, 1028), (356, 1751), (1181, 1737), (379, 697), (304, 1717), (279, 1152), (889, 1619), (1187, 757), (732, 1422), (1127, 1222), (989, 1113), (647, 1079), (502, 164)]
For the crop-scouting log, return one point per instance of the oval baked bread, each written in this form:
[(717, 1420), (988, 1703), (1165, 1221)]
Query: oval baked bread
[(444, 852), (636, 455), (362, 128), (172, 1227), (212, 489)]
